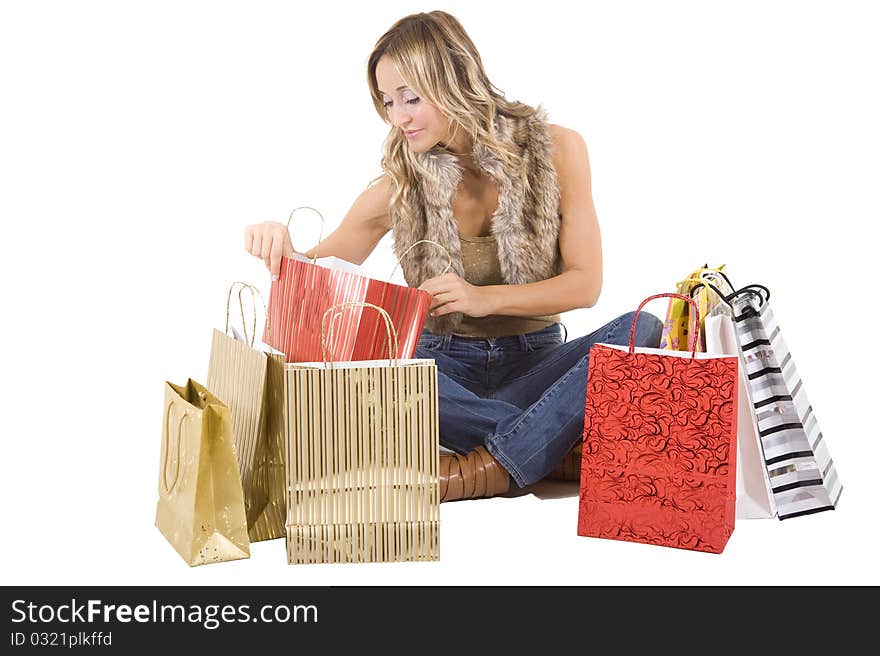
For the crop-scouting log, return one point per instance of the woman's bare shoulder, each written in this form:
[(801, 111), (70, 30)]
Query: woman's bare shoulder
[(569, 150), (381, 182), (374, 202), (565, 140)]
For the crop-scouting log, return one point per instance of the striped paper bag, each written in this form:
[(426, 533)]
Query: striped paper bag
[(362, 456), (305, 289), (250, 381), (802, 475)]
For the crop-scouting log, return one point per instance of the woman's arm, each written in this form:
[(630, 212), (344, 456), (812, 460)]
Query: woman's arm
[(365, 223), (580, 246), (579, 241)]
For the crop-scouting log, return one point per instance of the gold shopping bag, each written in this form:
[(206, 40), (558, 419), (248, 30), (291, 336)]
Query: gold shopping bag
[(362, 456), (250, 382), (201, 506)]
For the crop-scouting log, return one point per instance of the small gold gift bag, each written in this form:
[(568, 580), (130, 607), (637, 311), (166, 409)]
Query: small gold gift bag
[(250, 381), (362, 456), (201, 506)]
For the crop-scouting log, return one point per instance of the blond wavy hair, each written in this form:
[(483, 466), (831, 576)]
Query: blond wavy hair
[(434, 54)]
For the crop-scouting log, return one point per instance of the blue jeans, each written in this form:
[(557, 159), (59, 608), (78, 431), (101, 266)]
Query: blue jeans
[(522, 397)]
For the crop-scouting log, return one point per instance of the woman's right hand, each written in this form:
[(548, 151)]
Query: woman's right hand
[(269, 241)]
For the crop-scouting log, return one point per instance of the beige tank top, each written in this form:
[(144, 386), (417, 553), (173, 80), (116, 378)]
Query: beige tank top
[(479, 258)]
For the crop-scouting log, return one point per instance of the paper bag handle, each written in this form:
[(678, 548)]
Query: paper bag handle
[(714, 273), (760, 291), (242, 286), (320, 234), (694, 337), (166, 487), (755, 290), (336, 310), (709, 285), (423, 241), (254, 291), (681, 284)]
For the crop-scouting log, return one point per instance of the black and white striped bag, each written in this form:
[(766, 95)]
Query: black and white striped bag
[(801, 472)]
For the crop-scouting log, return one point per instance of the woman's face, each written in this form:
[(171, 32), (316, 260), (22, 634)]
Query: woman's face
[(421, 122)]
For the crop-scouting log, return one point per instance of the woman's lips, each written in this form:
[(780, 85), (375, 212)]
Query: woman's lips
[(412, 133)]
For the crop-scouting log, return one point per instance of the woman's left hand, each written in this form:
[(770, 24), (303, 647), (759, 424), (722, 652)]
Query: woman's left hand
[(452, 293)]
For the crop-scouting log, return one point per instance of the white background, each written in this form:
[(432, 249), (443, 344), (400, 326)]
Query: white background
[(137, 139)]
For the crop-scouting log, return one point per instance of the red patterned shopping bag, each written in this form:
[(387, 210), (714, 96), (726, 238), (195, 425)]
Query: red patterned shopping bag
[(659, 456)]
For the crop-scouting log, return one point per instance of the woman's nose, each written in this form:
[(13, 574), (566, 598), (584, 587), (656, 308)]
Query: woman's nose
[(399, 117)]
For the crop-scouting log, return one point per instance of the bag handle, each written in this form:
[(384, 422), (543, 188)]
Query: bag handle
[(320, 234), (166, 487), (748, 289), (242, 286), (337, 310), (254, 292), (709, 285), (712, 273), (681, 286), (755, 290), (694, 337), (698, 275), (423, 241)]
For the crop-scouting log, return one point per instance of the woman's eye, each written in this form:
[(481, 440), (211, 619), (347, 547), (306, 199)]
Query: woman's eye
[(408, 101)]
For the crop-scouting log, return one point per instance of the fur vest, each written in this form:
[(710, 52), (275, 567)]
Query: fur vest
[(525, 225)]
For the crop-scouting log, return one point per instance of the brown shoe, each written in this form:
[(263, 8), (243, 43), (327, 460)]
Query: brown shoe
[(471, 476), (570, 467)]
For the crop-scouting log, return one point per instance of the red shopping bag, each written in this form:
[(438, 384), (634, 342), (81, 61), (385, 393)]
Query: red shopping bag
[(659, 456), (305, 290)]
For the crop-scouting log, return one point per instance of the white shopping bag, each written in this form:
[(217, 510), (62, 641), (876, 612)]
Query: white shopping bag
[(753, 497), (333, 263)]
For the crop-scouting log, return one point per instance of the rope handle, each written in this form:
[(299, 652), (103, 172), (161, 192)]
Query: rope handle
[(242, 286), (760, 291), (337, 310), (423, 241), (254, 292), (320, 234), (167, 488), (694, 337)]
